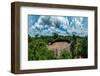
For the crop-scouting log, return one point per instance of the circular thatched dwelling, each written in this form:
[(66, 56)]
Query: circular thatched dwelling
[(58, 46)]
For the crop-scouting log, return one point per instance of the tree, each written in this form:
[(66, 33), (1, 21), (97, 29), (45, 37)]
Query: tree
[(55, 35), (84, 48), (73, 45), (38, 50), (29, 38), (78, 47), (36, 35)]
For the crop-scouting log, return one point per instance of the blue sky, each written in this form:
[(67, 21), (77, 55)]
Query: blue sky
[(62, 25)]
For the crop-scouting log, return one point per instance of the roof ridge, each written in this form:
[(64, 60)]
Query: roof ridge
[(59, 41)]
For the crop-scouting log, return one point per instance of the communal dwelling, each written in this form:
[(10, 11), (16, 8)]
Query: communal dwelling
[(58, 46)]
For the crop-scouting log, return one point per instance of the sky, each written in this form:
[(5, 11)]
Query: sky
[(43, 25)]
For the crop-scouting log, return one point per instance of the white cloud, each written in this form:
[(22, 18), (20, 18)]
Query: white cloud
[(46, 25)]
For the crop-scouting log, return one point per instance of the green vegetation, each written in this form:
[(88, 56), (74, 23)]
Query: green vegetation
[(66, 55), (38, 49)]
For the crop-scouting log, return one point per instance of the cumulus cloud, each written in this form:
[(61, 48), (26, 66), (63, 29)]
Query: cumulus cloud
[(63, 25)]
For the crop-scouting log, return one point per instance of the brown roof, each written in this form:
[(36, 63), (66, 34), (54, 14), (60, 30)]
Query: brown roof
[(51, 42)]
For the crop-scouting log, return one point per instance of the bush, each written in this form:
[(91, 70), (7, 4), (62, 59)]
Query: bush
[(65, 55)]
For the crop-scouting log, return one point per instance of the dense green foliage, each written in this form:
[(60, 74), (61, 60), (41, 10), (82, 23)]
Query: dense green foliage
[(38, 50), (65, 55)]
